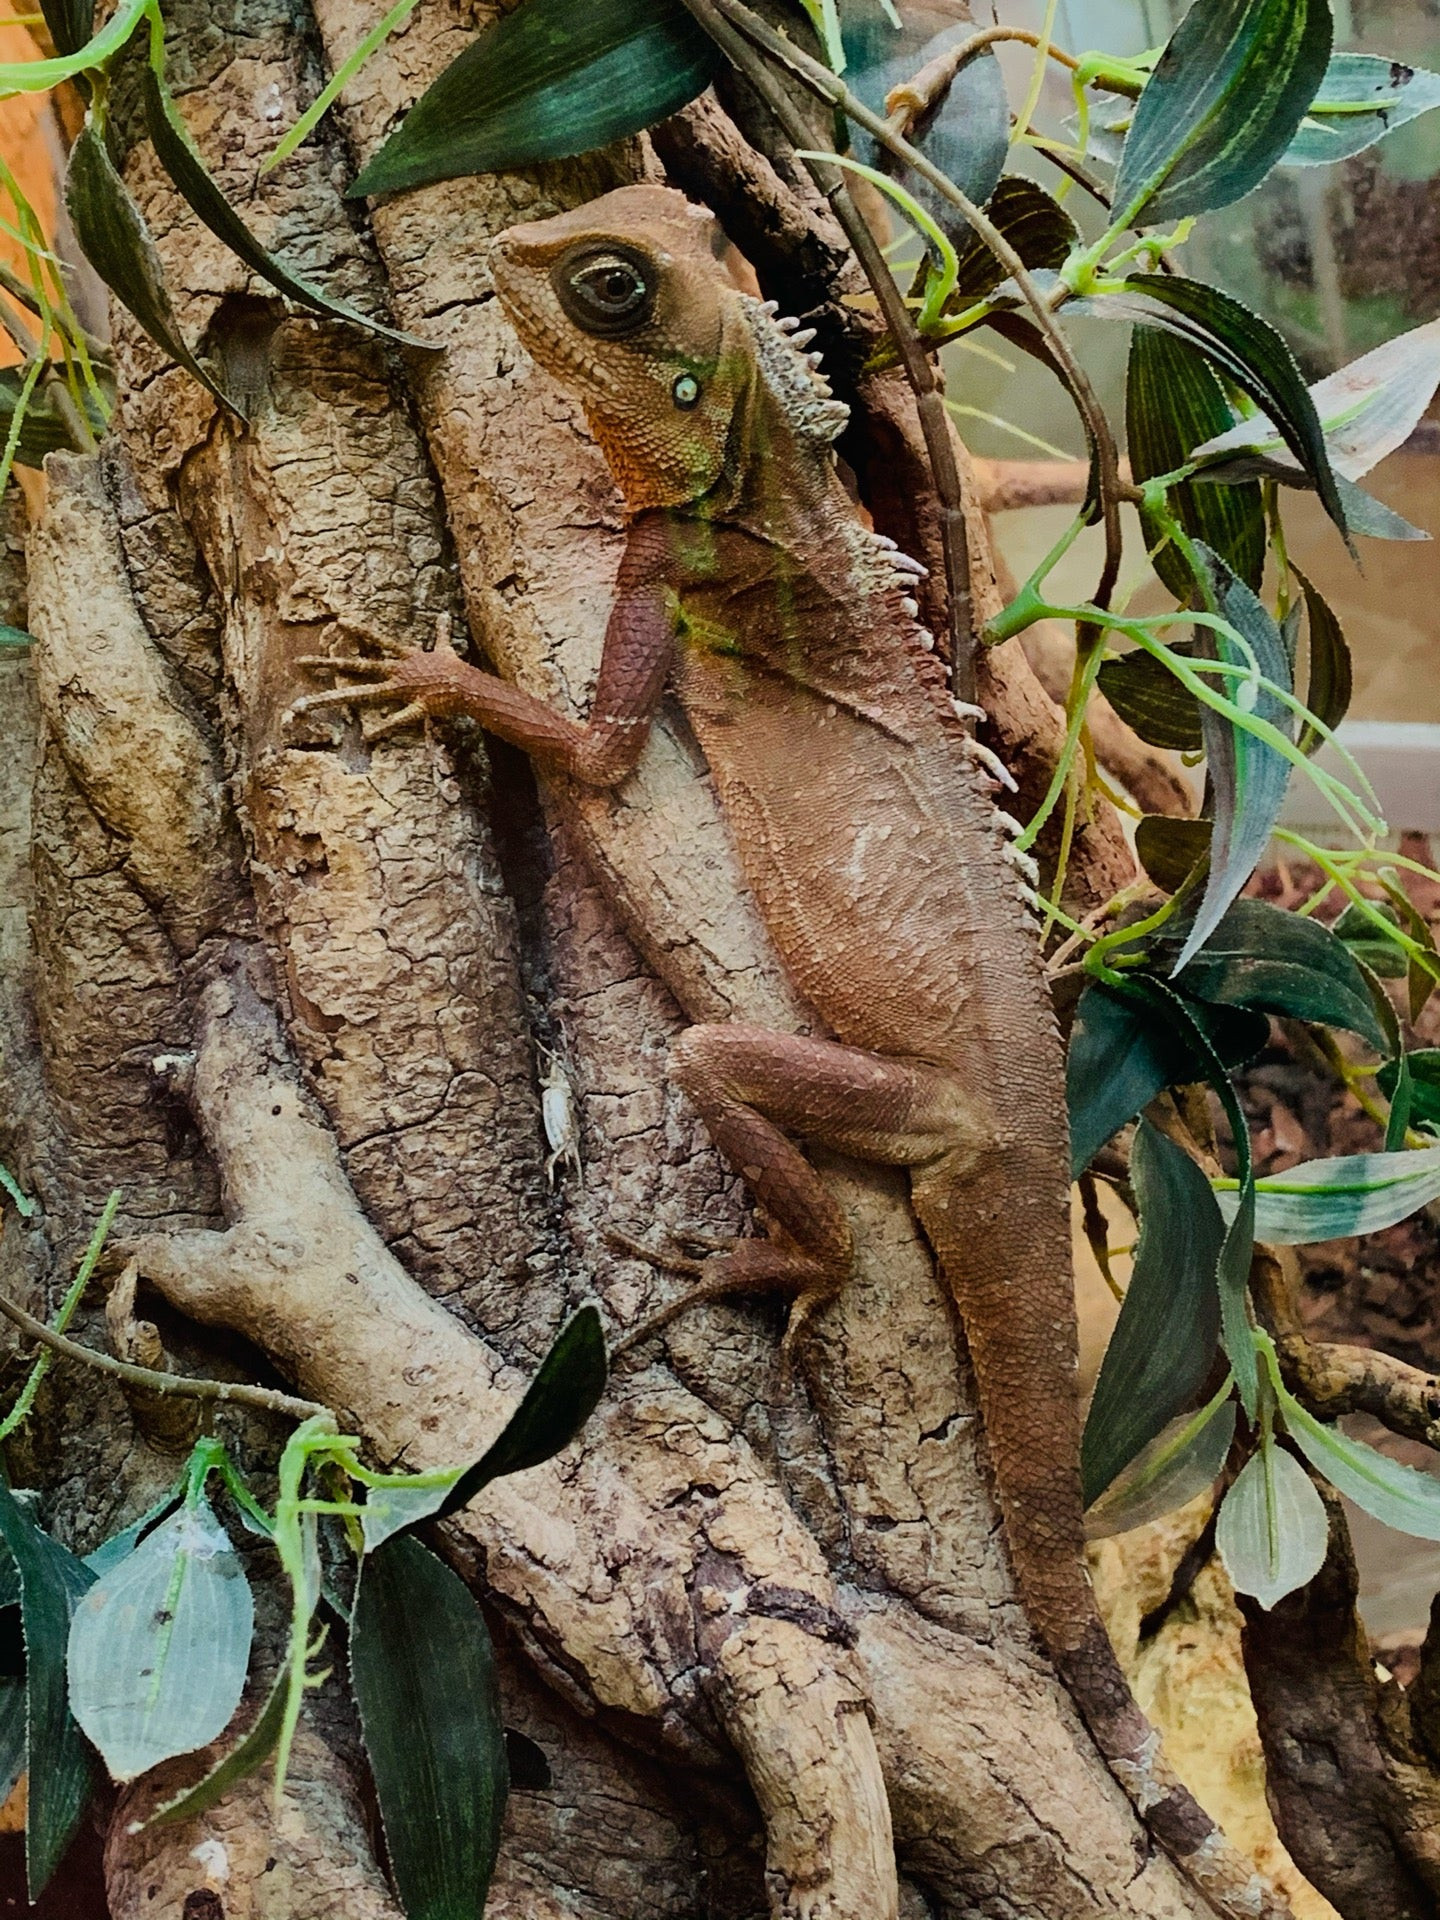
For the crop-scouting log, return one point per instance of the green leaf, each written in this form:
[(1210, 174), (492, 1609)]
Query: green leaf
[(42, 430), (1034, 223), (181, 160), (1127, 1047), (61, 1775), (39, 76), (1248, 777), (1272, 1530), (967, 136), (423, 1675), (1242, 348), (15, 637), (1149, 698), (242, 1760), (1172, 400), (1391, 92), (70, 23), (549, 80), (1333, 1199), (1178, 1463), (116, 241), (1163, 1346), (1397, 1495), (1331, 681), (1424, 1065), (1366, 409), (1222, 105), (1284, 963), (1369, 945), (159, 1646), (1169, 848), (120, 1545), (557, 1403)]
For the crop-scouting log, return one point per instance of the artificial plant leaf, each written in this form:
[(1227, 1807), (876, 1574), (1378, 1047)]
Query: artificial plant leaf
[(1034, 223), (116, 241), (1284, 963), (423, 1675), (1362, 98), (160, 1645), (39, 76), (1365, 514), (1178, 1463), (1172, 398), (1424, 1066), (1248, 776), (966, 135), (564, 1393), (1331, 681), (559, 1400), (552, 79), (1397, 1495), (1272, 1530), (52, 1581), (1126, 1047), (1222, 105), (1169, 848), (1149, 698), (43, 429), (242, 1760), (1366, 409), (69, 23), (121, 1545), (1333, 1199), (1241, 347), (180, 158), (1163, 1346), (1368, 944)]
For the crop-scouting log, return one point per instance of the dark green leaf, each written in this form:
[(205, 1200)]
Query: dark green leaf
[(423, 1675), (1126, 1048), (558, 1401), (112, 1551), (43, 428), (1240, 346), (1169, 849), (1369, 945), (70, 23), (1277, 962), (178, 155), (550, 80), (241, 1761), (1163, 1346), (1179, 1463), (1034, 223), (1149, 698), (1328, 694), (967, 135), (529, 1769), (1424, 1065), (116, 241), (1222, 105), (1248, 777), (1333, 130), (61, 1775), (1172, 402)]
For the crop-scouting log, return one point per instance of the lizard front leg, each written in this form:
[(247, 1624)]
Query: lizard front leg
[(639, 647), (754, 1087)]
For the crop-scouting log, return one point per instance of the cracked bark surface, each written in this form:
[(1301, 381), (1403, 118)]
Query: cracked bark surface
[(287, 986)]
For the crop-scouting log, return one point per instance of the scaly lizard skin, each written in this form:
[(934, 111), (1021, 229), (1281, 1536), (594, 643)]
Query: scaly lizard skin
[(864, 822)]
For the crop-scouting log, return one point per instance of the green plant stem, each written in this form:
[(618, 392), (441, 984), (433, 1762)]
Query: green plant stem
[(827, 87), (713, 16), (234, 1391)]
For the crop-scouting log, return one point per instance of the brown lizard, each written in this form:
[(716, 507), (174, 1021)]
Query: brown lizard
[(862, 813)]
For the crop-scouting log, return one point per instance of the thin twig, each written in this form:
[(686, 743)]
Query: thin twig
[(906, 103), (828, 87), (230, 1390), (919, 371)]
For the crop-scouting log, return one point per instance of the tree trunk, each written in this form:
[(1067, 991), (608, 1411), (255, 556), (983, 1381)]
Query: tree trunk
[(288, 990)]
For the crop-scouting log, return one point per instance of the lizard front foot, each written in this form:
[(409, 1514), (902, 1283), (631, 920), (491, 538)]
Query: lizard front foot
[(411, 676)]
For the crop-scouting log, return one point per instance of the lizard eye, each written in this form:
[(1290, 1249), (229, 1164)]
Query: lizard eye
[(604, 289)]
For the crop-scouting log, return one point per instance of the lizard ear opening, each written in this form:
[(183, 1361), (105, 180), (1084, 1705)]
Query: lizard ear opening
[(606, 290)]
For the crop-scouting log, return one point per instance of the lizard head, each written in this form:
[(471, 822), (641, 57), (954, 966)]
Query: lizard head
[(629, 302)]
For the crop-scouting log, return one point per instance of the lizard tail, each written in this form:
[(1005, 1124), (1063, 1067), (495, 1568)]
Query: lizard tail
[(1002, 1236)]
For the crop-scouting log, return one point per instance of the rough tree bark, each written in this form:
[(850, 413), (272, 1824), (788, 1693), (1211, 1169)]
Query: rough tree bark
[(286, 990)]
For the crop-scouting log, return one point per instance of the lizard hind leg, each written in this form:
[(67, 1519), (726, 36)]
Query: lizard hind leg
[(754, 1087)]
